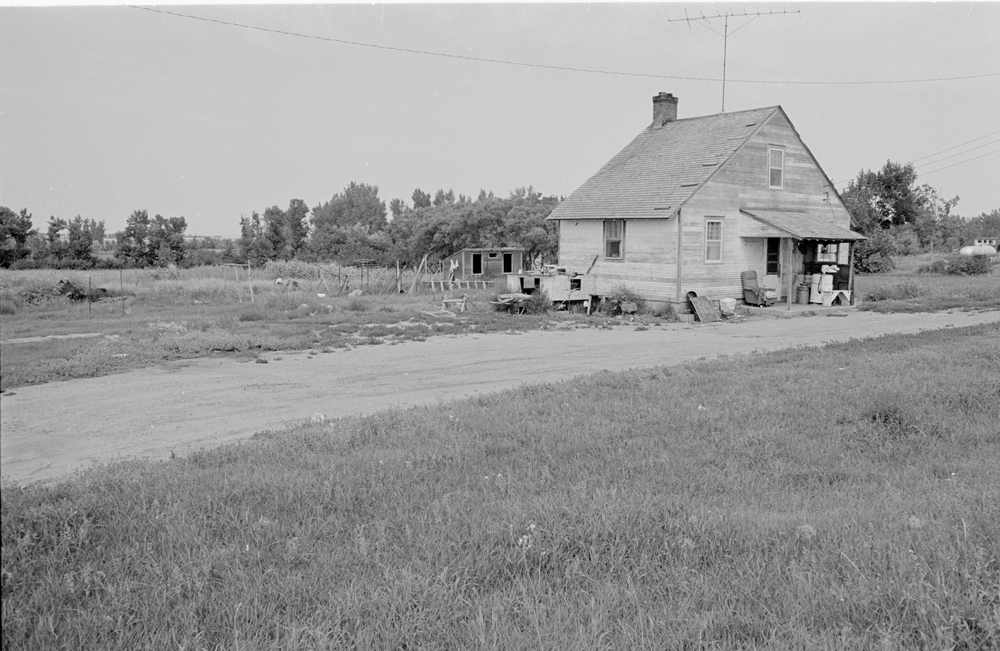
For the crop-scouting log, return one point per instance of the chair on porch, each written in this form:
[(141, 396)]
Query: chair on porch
[(754, 294)]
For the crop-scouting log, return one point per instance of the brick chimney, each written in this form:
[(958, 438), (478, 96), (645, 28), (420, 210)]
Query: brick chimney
[(664, 109)]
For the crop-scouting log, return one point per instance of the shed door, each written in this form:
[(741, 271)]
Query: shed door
[(508, 263), (477, 264)]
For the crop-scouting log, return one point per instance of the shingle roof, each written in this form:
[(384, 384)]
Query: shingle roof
[(661, 168), (804, 226)]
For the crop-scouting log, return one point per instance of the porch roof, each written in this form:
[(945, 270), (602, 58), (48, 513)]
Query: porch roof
[(803, 226)]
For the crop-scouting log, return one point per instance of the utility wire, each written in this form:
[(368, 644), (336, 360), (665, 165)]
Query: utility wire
[(955, 147), (989, 153), (946, 157), (550, 67), (961, 153)]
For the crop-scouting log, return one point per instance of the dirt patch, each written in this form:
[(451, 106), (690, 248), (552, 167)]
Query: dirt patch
[(28, 340), (48, 431)]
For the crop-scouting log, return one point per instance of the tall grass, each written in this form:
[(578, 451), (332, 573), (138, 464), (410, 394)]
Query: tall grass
[(845, 497), (928, 292)]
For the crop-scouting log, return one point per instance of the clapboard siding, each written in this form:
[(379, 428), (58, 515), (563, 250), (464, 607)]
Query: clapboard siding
[(648, 245)]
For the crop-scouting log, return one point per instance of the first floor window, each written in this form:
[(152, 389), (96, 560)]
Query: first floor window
[(614, 238), (713, 240)]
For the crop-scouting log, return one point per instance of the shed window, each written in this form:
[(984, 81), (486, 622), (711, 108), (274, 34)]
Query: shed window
[(713, 240), (614, 238), (776, 168)]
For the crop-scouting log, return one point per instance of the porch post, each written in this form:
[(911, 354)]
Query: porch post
[(850, 272), (788, 275)]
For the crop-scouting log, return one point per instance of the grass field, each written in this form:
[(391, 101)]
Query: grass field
[(843, 497), (208, 311), (205, 311)]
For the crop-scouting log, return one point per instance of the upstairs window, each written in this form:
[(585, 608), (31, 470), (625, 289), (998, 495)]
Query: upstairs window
[(614, 238), (776, 168), (713, 240)]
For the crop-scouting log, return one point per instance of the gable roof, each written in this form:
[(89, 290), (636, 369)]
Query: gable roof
[(661, 168), (803, 225)]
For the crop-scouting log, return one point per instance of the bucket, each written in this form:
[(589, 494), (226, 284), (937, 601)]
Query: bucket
[(727, 306)]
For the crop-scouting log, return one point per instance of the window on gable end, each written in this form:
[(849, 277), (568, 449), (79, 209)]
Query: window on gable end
[(775, 168), (713, 240), (614, 238)]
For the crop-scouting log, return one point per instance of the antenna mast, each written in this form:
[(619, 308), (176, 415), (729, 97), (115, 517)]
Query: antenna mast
[(725, 34)]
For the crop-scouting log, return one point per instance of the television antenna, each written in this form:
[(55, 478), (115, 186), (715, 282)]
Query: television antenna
[(725, 33)]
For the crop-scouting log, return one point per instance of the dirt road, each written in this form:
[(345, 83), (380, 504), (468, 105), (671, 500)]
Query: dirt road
[(48, 431)]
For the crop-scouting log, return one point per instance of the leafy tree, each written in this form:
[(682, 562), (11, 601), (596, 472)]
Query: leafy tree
[(275, 231), (81, 238), (421, 199), (357, 205), (297, 225), (338, 223), (15, 229), (934, 211), (166, 240), (133, 243), (443, 197), (147, 242), (55, 226), (254, 247), (397, 207), (884, 198)]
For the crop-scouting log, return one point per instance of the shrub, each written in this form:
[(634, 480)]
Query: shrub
[(622, 294), (874, 255), (936, 267), (537, 304), (8, 307), (666, 312), (25, 263), (964, 265), (959, 265)]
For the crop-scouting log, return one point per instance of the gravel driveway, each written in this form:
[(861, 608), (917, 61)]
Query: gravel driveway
[(48, 431)]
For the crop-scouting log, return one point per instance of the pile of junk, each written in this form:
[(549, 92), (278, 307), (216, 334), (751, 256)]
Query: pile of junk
[(831, 286)]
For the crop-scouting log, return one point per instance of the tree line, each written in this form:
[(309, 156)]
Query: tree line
[(898, 216), (355, 225)]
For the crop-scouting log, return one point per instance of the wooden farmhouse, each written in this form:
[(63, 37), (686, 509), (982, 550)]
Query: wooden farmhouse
[(690, 204)]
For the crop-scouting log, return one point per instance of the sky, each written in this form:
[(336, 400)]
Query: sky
[(105, 110)]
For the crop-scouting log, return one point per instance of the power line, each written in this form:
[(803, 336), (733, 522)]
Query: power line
[(961, 153), (989, 153), (551, 67), (946, 157), (955, 147)]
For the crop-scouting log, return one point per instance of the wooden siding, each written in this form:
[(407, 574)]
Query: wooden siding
[(492, 268), (647, 267)]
